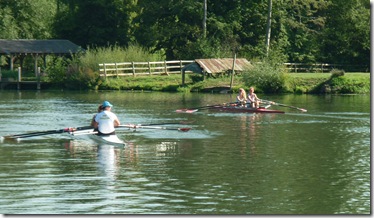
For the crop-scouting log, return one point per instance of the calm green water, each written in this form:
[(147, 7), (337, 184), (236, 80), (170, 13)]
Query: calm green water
[(294, 163)]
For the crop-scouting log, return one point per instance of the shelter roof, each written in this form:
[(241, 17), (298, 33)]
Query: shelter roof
[(31, 46), (222, 64)]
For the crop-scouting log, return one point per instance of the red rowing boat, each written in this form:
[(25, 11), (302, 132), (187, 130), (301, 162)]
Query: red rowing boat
[(237, 109)]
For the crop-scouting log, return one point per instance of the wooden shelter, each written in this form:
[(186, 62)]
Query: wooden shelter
[(216, 65), (20, 48)]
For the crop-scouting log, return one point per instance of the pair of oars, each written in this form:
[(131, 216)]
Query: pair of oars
[(89, 130), (192, 110)]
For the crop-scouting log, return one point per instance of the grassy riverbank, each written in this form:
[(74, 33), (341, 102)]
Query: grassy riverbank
[(312, 83)]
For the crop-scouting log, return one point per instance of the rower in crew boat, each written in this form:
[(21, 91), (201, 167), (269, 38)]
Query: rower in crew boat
[(253, 101), (241, 98), (106, 121), (99, 109)]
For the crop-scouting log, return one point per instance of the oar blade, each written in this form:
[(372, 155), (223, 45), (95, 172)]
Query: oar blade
[(186, 110), (184, 129)]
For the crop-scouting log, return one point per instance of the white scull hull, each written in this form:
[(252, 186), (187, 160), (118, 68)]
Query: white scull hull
[(109, 139), (103, 139)]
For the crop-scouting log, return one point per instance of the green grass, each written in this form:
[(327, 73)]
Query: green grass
[(327, 75), (297, 83), (319, 83)]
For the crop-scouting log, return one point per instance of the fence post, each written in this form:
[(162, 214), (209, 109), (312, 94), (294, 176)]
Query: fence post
[(166, 69), (104, 71), (133, 68), (115, 64), (149, 68)]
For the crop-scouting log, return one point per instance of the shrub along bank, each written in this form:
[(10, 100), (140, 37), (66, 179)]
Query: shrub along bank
[(267, 76)]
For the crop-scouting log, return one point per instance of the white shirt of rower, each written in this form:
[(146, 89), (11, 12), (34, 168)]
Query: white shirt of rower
[(106, 121), (252, 97)]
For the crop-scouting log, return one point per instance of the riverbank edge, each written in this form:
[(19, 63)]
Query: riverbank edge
[(307, 83)]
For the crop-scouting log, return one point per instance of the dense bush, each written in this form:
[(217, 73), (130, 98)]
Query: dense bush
[(344, 85), (9, 74), (266, 78), (82, 70), (56, 70)]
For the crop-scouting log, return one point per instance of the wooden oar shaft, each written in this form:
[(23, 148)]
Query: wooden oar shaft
[(183, 129), (171, 123), (48, 132), (191, 110), (283, 105)]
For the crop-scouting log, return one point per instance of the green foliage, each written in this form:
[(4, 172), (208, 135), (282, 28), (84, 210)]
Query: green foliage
[(78, 77), (266, 78), (27, 19), (345, 85), (56, 70), (196, 77), (299, 83), (81, 71), (336, 73), (205, 48), (95, 22), (308, 31), (152, 83), (10, 74), (92, 57), (346, 36)]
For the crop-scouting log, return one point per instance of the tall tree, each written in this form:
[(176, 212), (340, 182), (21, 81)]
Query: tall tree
[(169, 25), (346, 39), (297, 28), (95, 22), (26, 19)]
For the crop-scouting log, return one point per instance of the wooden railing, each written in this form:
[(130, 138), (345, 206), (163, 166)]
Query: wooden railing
[(175, 67), (142, 68), (323, 67)]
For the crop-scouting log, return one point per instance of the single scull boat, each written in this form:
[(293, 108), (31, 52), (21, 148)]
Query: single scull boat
[(107, 139)]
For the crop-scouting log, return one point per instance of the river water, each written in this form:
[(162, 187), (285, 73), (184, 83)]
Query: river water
[(316, 162)]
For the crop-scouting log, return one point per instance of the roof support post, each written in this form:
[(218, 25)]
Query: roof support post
[(233, 70), (11, 59), (36, 64)]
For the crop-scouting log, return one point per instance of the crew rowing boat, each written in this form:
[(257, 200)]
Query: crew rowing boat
[(231, 108), (236, 109)]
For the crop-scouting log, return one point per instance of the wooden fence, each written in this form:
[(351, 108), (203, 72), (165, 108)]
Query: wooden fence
[(175, 67), (323, 67), (142, 68)]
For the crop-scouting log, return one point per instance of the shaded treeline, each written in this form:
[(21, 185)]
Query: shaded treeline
[(308, 31)]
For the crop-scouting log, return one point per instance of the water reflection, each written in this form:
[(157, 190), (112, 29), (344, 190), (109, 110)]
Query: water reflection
[(295, 163), (250, 130)]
